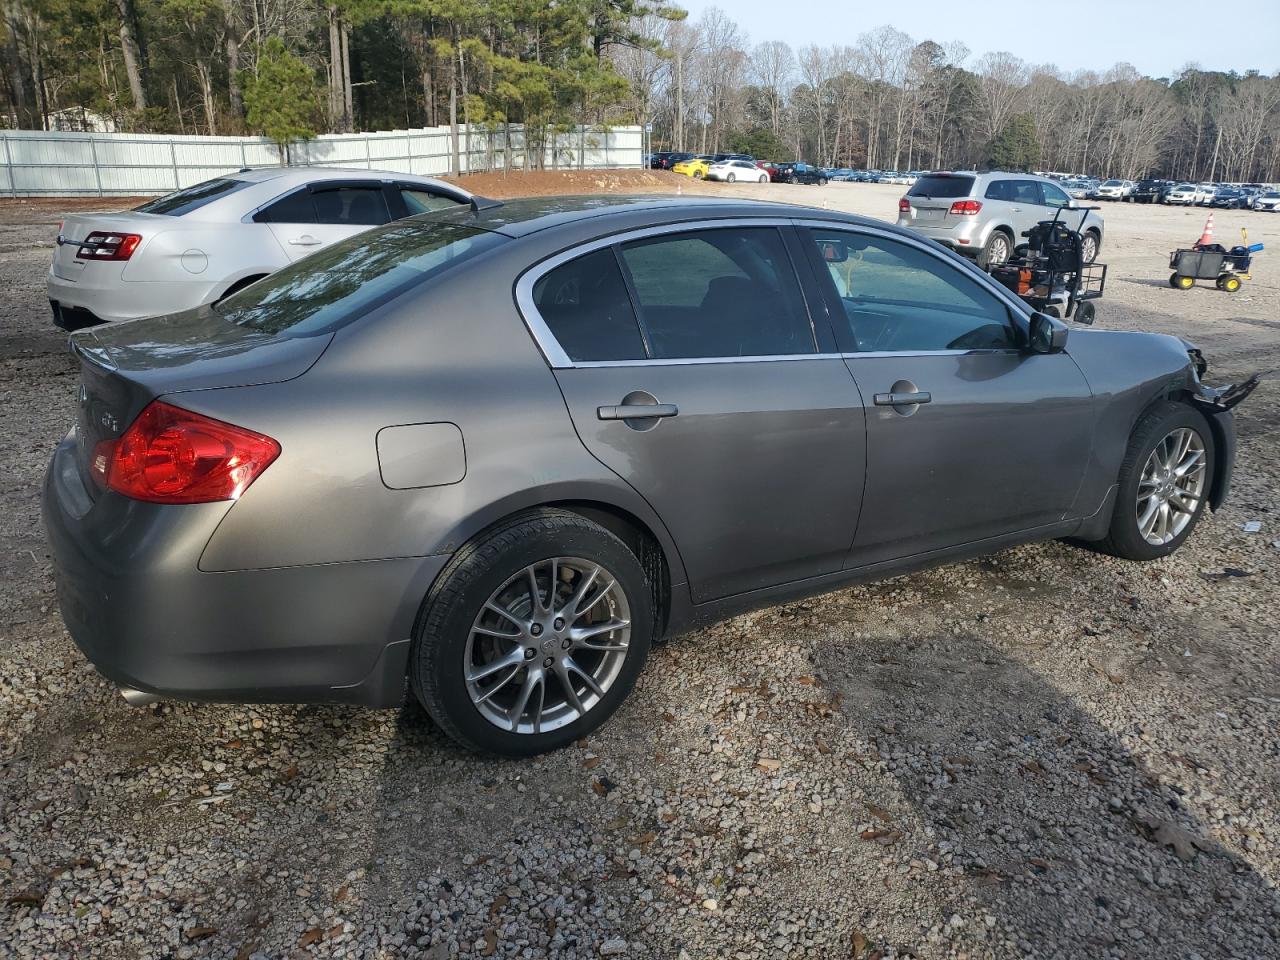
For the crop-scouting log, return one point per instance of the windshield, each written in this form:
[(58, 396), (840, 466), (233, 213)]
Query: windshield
[(192, 198), (930, 187), (347, 280)]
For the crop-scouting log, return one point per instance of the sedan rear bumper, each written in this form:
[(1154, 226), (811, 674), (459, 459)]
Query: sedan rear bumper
[(137, 605), (108, 297)]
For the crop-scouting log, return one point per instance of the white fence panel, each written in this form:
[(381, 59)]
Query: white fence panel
[(98, 164)]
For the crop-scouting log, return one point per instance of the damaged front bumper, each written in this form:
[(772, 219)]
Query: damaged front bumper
[(1216, 403)]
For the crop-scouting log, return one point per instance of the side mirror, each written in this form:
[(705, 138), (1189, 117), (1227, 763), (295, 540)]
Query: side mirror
[(1048, 334), (1074, 204)]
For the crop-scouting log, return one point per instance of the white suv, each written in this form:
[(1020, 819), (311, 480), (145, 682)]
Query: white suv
[(1116, 190), (201, 243), (985, 215)]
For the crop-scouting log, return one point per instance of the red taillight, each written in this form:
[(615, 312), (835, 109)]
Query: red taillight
[(904, 205), (968, 207), (171, 455), (100, 245)]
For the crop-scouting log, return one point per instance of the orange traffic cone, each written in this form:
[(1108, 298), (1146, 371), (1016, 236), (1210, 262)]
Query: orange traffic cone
[(1206, 238)]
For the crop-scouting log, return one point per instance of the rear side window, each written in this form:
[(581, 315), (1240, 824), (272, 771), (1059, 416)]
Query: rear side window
[(348, 279), (423, 201), (352, 206), (585, 305), (719, 293), (192, 198), (942, 188), (295, 207)]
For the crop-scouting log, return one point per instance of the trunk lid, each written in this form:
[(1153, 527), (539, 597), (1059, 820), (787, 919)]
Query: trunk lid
[(932, 195), (125, 366), (67, 264)]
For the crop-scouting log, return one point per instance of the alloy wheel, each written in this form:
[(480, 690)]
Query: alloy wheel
[(1171, 487), (547, 645), (1089, 248), (998, 250)]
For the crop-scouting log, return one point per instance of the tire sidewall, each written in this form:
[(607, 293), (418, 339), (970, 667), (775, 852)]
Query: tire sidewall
[(441, 638), (1149, 432)]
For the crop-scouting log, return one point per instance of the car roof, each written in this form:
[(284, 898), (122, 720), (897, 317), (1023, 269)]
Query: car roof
[(285, 177), (518, 218)]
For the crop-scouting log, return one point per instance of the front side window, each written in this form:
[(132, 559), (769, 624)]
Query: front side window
[(718, 293), (348, 279), (897, 298), (352, 206), (1053, 196)]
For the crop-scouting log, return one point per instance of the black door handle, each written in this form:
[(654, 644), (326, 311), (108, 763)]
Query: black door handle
[(637, 411), (902, 399)]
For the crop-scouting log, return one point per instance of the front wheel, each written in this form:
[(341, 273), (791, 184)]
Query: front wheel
[(1163, 484), (697, 174), (730, 178), (764, 178), (1229, 283), (1181, 282), (533, 635)]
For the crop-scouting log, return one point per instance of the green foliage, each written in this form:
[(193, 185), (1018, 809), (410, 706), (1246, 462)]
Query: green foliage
[(760, 142), (282, 99), (1016, 147)]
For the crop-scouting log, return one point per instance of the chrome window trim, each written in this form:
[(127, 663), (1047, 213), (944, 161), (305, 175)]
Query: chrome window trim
[(557, 359)]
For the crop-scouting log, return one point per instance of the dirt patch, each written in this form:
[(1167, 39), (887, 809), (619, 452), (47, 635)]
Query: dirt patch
[(504, 185)]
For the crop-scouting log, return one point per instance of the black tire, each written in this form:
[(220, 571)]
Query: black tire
[(990, 255), (1086, 312), (1124, 538), (436, 661)]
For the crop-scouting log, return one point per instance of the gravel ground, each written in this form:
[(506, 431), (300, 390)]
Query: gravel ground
[(1045, 753)]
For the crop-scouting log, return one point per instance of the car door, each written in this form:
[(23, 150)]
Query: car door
[(322, 213), (1027, 207), (969, 436), (692, 368)]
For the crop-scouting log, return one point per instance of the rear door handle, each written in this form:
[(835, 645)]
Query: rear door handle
[(637, 411), (306, 240), (902, 399)]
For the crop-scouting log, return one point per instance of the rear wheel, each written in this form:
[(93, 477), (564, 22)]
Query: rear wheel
[(996, 250), (764, 178), (533, 635), (1163, 483), (1089, 247), (697, 174), (1229, 283), (730, 178), (1181, 282)]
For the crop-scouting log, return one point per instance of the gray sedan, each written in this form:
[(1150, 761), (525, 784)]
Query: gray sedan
[(497, 452)]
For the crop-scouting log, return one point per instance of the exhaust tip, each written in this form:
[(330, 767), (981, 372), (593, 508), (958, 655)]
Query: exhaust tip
[(138, 698)]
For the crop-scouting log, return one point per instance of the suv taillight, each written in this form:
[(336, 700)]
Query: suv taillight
[(101, 245), (171, 455), (967, 207), (904, 205)]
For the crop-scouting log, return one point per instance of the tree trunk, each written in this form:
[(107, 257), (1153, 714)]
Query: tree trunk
[(206, 95), (335, 71), (348, 110), (22, 88), (232, 48), (135, 58), (454, 145)]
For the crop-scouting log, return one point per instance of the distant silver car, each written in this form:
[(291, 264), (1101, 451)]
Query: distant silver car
[(497, 452), (1267, 201), (985, 215), (204, 242)]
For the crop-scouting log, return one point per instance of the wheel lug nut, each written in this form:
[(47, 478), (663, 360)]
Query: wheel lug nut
[(564, 644), (550, 661), (559, 624), (536, 629), (530, 653)]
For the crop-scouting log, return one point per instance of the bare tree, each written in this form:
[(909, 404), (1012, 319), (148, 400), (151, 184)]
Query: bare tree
[(1001, 78), (772, 67)]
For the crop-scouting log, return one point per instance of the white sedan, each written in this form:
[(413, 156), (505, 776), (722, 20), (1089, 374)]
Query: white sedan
[(201, 243), (734, 170), (1268, 201)]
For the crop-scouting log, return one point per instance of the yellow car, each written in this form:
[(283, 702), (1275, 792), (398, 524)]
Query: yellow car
[(695, 167)]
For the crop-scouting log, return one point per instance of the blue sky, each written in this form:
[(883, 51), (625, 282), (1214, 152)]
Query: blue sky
[(1156, 37)]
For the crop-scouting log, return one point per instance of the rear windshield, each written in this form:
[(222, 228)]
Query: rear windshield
[(192, 198), (930, 187), (345, 281)]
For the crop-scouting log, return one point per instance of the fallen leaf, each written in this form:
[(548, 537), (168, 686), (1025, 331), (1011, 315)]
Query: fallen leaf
[(1039, 863), (591, 763), (668, 716), (806, 680), (646, 838), (290, 772), (1184, 842), (490, 943), (603, 786), (27, 898), (823, 746), (500, 901), (198, 933), (247, 951), (859, 944), (341, 893), (769, 764), (334, 931), (1034, 766), (314, 935), (886, 837), (879, 812), (233, 744)]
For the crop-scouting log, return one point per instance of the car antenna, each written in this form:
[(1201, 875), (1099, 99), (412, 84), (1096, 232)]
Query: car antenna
[(479, 203)]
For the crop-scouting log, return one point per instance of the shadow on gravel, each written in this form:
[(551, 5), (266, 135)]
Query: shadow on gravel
[(1062, 835)]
